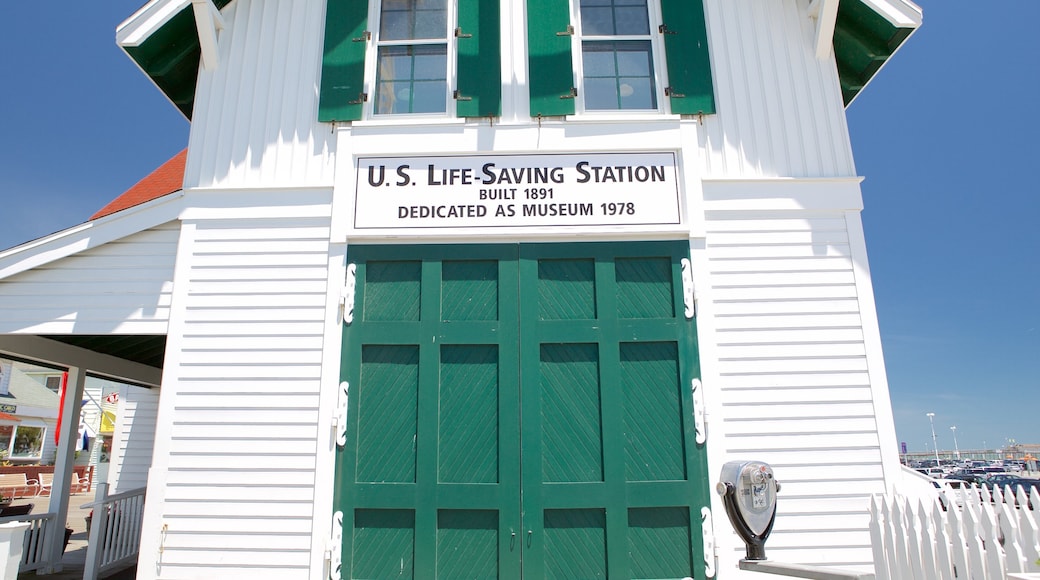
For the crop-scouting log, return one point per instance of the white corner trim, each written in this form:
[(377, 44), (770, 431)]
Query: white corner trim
[(826, 14), (151, 17), (208, 21), (901, 13)]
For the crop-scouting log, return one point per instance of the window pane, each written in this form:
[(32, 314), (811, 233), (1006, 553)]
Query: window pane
[(28, 441), (429, 97), (618, 75), (637, 93), (597, 21), (601, 94), (614, 17), (632, 20), (411, 19), (411, 79)]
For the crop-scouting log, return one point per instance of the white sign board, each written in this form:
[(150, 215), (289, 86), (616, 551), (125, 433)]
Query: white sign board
[(517, 191)]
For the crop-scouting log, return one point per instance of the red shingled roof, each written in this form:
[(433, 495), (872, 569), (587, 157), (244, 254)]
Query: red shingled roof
[(168, 178)]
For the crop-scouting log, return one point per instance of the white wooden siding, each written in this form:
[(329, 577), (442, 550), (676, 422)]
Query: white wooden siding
[(133, 438), (122, 287), (239, 461), (779, 108), (791, 375), (255, 119)]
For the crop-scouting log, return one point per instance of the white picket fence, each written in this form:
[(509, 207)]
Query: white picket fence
[(963, 534)]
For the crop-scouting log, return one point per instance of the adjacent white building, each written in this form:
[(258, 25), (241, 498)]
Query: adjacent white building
[(487, 288)]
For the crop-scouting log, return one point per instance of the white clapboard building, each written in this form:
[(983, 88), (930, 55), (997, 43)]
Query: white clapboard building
[(485, 288)]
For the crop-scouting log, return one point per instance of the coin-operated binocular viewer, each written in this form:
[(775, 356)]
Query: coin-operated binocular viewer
[(748, 490)]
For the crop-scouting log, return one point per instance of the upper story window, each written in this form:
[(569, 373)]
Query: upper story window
[(412, 57), (614, 55), (617, 64), (420, 56)]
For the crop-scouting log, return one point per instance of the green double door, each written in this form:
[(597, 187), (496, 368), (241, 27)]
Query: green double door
[(520, 411)]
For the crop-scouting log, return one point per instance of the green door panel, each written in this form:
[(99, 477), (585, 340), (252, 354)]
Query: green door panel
[(485, 442)]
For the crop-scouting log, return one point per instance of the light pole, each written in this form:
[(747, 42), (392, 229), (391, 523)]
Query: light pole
[(935, 444), (956, 450)]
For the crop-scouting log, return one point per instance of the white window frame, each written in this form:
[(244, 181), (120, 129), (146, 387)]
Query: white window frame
[(657, 58), (14, 438), (375, 15)]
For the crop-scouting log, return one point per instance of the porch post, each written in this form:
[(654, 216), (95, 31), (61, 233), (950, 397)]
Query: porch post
[(60, 496)]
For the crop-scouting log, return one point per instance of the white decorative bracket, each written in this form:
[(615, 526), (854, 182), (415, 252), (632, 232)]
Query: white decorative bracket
[(698, 412), (826, 14), (207, 21), (687, 286), (339, 421), (708, 534), (346, 298), (335, 554)]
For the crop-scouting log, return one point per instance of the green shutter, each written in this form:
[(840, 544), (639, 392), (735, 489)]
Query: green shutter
[(550, 71), (479, 49), (686, 50), (343, 61)]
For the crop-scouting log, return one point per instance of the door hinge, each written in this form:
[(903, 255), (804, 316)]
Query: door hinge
[(334, 552), (346, 296), (689, 298), (698, 412), (708, 534), (339, 420)]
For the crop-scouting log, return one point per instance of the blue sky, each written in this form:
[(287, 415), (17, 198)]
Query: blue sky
[(945, 136)]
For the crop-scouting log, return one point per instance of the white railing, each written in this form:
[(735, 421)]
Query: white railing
[(40, 525), (115, 531), (962, 534)]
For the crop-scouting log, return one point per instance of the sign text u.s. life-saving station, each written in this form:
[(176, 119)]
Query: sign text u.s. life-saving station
[(517, 191)]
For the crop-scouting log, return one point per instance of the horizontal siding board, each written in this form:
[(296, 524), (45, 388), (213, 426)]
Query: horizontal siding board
[(250, 344), (253, 301), (285, 400), (777, 238), (216, 525), (781, 279), (242, 477), (752, 410), (744, 366), (822, 291), (253, 371), (804, 264), (255, 314), (832, 472), (281, 386), (239, 509), (239, 541), (777, 350), (232, 249), (774, 224), (260, 328), (785, 336), (75, 288), (771, 395), (796, 251), (254, 571), (261, 289), (224, 431), (142, 313), (802, 443), (249, 273), (256, 492), (789, 320), (214, 261), (798, 379), (237, 561), (245, 357), (802, 426), (229, 457)]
